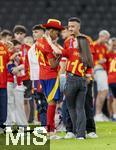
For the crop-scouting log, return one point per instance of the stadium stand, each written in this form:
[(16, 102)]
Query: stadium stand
[(95, 14)]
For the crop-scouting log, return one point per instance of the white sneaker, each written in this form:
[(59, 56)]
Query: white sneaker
[(61, 128), (92, 135), (105, 118), (1, 131), (80, 138), (100, 118), (69, 135), (55, 137)]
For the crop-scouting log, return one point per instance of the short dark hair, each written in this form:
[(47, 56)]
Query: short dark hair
[(5, 32), (38, 27), (19, 28), (74, 19), (15, 42)]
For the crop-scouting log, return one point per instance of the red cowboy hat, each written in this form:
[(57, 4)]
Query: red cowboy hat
[(53, 23)]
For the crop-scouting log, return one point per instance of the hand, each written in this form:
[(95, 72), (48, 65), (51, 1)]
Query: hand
[(15, 70), (48, 38), (88, 80), (55, 54), (9, 45), (88, 75), (14, 56)]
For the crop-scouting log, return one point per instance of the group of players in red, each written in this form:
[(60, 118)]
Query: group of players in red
[(85, 61)]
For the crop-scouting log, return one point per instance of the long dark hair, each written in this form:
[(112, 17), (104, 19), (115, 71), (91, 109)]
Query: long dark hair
[(85, 52)]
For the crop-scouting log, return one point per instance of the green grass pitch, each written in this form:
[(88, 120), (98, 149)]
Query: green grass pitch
[(106, 141)]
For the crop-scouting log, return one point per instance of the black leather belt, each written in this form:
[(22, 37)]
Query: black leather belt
[(74, 75)]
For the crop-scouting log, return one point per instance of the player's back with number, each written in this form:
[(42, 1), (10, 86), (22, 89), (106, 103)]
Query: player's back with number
[(3, 65)]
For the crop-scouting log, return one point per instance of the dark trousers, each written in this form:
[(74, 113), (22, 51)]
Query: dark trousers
[(75, 92), (42, 108), (3, 106), (66, 117), (31, 116), (89, 110)]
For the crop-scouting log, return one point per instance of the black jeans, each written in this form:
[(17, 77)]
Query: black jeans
[(75, 92), (89, 109), (66, 117), (3, 106)]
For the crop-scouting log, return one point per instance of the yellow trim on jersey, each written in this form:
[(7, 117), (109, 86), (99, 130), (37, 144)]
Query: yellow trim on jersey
[(1, 64), (37, 53), (40, 54), (53, 92)]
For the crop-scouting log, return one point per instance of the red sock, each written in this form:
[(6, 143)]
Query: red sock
[(50, 117), (19, 80), (38, 116)]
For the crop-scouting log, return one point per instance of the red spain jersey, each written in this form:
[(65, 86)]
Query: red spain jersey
[(100, 52), (45, 53), (25, 48), (74, 63), (111, 67), (3, 65), (68, 43), (19, 77), (17, 61), (10, 77)]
